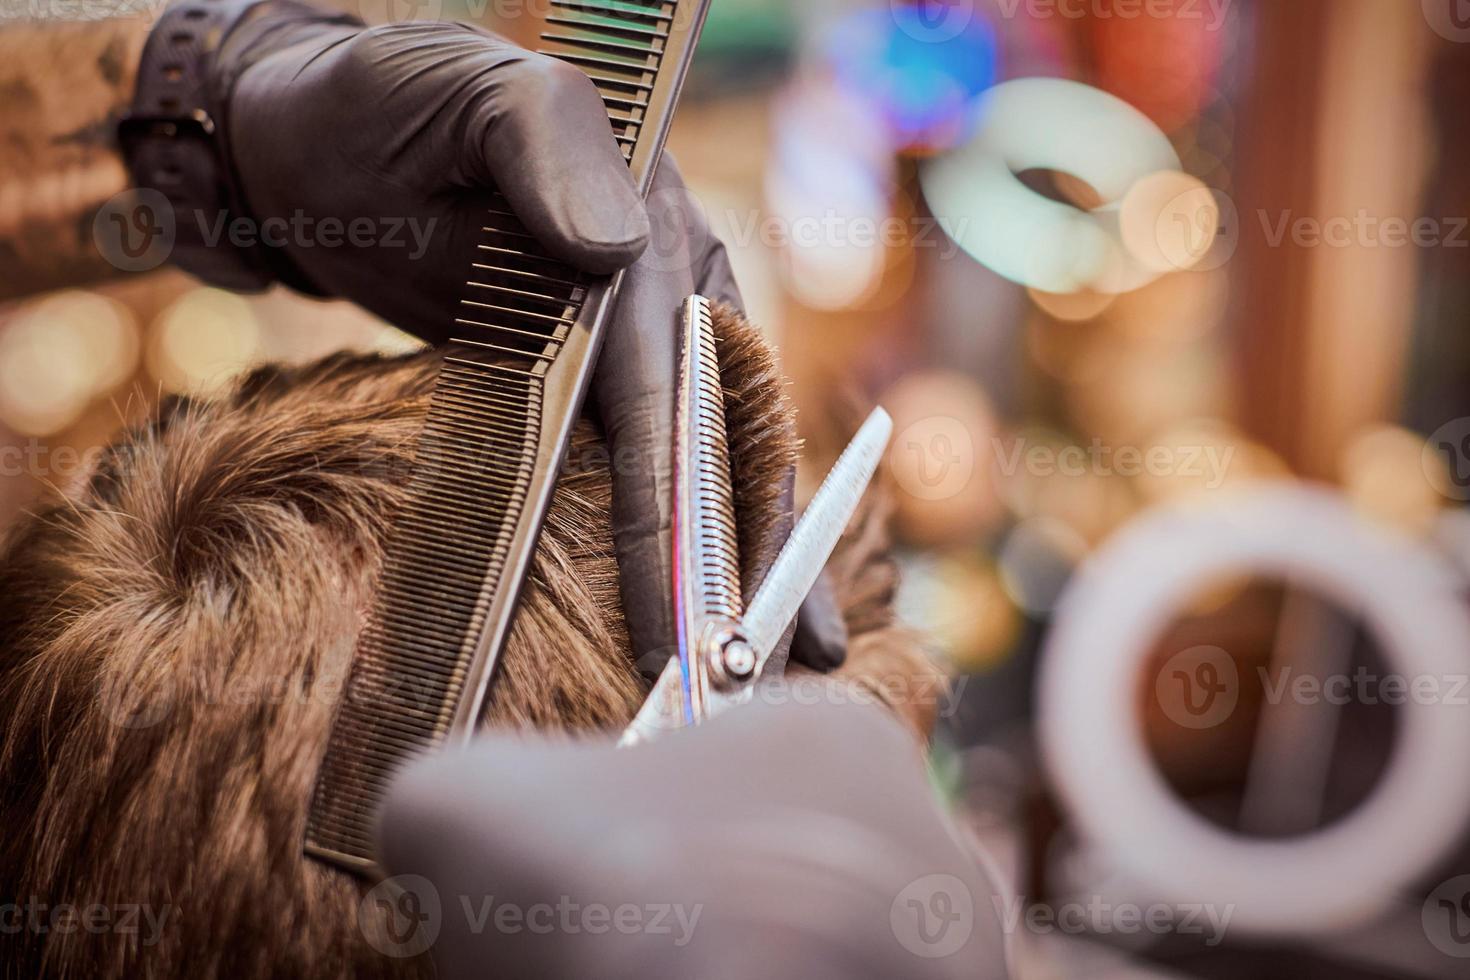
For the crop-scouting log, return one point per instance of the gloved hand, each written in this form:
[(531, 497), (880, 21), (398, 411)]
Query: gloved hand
[(404, 127), (635, 392), (729, 854)]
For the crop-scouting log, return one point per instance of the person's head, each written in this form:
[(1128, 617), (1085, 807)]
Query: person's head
[(175, 635)]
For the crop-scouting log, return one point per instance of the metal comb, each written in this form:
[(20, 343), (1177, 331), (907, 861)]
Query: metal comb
[(724, 648), (509, 391)]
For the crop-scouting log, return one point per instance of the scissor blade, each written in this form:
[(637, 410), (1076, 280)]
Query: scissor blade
[(704, 506), (662, 711), (805, 553), (706, 564)]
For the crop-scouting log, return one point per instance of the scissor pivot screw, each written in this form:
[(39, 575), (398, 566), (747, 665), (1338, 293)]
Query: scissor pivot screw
[(728, 655), (739, 659)]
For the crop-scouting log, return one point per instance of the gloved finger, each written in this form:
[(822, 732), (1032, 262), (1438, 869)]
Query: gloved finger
[(714, 276), (820, 641), (543, 135), (634, 390)]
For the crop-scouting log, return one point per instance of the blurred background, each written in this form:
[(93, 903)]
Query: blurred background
[(1222, 246)]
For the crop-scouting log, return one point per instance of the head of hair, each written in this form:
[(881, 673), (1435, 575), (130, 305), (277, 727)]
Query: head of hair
[(175, 633)]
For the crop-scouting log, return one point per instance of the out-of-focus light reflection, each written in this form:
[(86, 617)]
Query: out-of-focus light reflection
[(1058, 125), (1036, 561), (1374, 468), (828, 186), (1163, 65), (941, 457), (827, 276), (1071, 351), (108, 328), (1142, 388), (58, 355), (1042, 474), (202, 341), (1206, 456), (1174, 309), (959, 599), (44, 377), (1082, 305), (1168, 221), (922, 85)]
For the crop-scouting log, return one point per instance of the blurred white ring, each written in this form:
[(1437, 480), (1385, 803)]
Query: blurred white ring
[(1093, 741), (1051, 124)]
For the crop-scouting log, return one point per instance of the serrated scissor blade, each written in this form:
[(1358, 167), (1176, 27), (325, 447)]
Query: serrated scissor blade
[(704, 506), (706, 558), (706, 562)]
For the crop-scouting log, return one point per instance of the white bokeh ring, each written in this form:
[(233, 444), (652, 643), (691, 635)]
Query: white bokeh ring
[(1093, 740), (1052, 124)]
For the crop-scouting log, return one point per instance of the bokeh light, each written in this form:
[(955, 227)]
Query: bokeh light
[(1053, 125), (959, 599), (1374, 466), (1036, 560), (923, 87), (58, 355), (941, 456), (202, 341), (829, 186)]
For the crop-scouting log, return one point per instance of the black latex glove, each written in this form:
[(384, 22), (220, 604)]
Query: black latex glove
[(406, 125), (635, 392), (741, 857)]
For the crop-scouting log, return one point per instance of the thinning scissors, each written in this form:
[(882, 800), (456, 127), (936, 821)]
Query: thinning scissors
[(725, 646)]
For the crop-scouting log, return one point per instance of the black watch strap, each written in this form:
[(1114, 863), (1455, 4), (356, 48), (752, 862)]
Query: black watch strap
[(174, 140)]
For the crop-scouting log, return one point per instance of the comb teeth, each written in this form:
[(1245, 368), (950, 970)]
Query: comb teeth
[(508, 393), (620, 45)]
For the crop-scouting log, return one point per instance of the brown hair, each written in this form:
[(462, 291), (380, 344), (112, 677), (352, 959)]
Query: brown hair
[(174, 634)]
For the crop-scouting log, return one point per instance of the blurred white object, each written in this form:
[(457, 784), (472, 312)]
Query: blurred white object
[(1093, 736), (1153, 219)]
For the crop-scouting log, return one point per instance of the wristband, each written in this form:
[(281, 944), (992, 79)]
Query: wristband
[(174, 141)]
